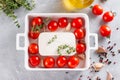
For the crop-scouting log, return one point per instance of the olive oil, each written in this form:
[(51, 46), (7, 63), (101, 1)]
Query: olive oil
[(72, 5)]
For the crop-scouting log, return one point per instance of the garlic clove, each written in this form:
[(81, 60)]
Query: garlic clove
[(97, 66), (101, 50), (109, 76), (81, 56), (68, 27), (42, 65)]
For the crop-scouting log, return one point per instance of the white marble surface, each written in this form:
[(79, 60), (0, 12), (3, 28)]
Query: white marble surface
[(12, 61)]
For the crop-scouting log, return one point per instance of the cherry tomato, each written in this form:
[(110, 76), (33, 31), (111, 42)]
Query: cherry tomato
[(33, 48), (80, 48), (105, 31), (108, 16), (77, 22), (37, 21), (73, 62), (34, 34), (52, 26), (62, 22), (49, 62), (97, 10), (61, 61), (79, 33), (34, 61)]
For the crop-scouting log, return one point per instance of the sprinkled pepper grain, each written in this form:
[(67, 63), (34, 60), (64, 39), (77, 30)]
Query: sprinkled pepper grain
[(117, 28), (109, 62), (109, 42), (118, 50), (111, 48)]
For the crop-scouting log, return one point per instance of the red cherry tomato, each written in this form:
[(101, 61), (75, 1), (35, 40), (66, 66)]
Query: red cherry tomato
[(49, 62), (34, 61), (73, 62), (77, 22), (37, 21), (105, 31), (52, 26), (108, 16), (34, 34), (33, 48), (61, 61), (79, 33), (80, 48), (97, 10), (62, 22)]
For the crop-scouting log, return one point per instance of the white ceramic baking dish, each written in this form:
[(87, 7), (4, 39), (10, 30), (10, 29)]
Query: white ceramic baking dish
[(72, 15)]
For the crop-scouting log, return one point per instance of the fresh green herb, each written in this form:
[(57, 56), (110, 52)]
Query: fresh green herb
[(53, 39), (37, 28), (8, 7), (68, 49)]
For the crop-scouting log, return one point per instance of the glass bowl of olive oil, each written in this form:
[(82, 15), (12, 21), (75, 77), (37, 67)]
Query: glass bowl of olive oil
[(74, 5)]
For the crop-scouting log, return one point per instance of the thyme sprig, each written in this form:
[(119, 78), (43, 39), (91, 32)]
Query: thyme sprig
[(8, 7), (52, 39), (65, 47), (37, 28)]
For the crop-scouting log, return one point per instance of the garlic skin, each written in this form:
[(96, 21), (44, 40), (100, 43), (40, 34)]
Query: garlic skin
[(68, 27), (97, 66), (101, 50), (109, 76), (41, 63), (82, 56)]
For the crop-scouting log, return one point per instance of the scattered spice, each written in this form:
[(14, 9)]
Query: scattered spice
[(117, 28), (114, 62), (101, 59), (109, 42), (98, 78), (53, 39), (106, 61), (109, 62), (114, 44), (81, 76), (89, 77), (90, 58), (113, 54), (66, 72), (110, 48)]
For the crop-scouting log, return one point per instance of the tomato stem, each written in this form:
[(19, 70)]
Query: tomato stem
[(91, 7), (108, 37)]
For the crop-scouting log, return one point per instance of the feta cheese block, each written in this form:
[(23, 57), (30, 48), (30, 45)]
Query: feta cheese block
[(49, 41)]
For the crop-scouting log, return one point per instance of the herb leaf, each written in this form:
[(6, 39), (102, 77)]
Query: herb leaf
[(68, 49), (52, 39), (8, 7)]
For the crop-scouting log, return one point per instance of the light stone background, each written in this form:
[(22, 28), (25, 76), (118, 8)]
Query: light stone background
[(12, 61)]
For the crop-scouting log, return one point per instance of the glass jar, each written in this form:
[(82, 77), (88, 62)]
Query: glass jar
[(73, 5)]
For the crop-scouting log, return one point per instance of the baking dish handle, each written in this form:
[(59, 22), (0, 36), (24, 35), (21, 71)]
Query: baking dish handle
[(96, 40), (18, 47)]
